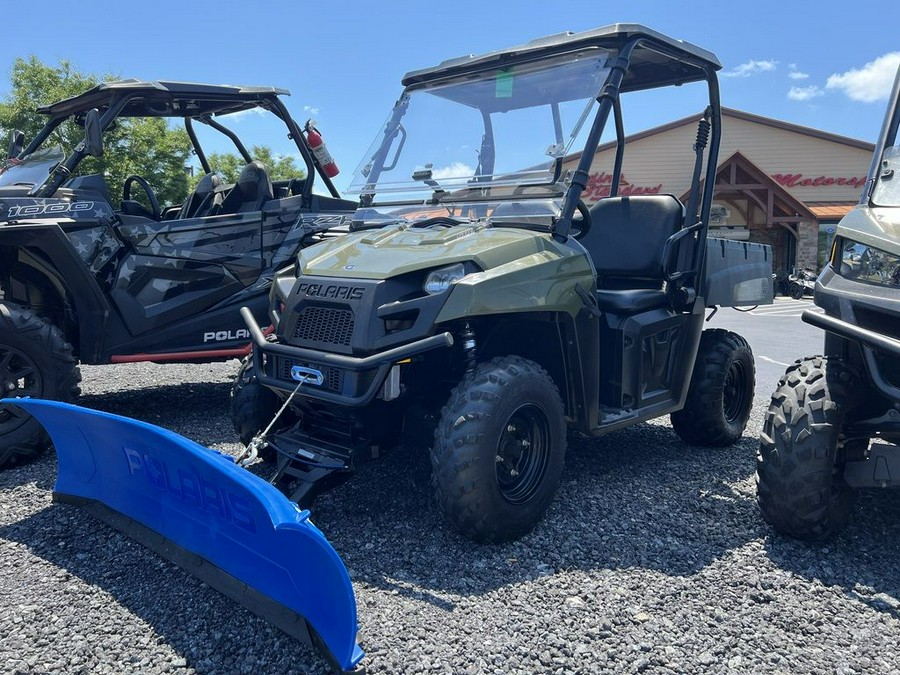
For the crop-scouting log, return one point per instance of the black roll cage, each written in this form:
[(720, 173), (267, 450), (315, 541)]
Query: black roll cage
[(118, 102), (609, 101), (890, 128)]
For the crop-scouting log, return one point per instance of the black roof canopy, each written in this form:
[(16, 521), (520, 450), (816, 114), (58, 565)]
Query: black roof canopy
[(165, 99), (658, 60)]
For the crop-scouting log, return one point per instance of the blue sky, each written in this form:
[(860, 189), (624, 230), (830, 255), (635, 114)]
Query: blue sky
[(815, 64)]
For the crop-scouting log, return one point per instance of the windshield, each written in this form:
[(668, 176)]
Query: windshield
[(32, 169), (480, 136)]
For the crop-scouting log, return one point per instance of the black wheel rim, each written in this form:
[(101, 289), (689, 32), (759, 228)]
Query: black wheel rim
[(523, 451), (19, 376), (735, 392)]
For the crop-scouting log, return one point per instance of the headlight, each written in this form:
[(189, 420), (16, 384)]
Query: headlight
[(862, 262), (281, 288), (440, 280)]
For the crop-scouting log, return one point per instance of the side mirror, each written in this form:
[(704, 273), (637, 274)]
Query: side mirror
[(16, 143), (93, 134)]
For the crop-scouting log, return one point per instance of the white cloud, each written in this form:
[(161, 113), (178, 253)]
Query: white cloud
[(244, 114), (311, 109), (455, 170), (751, 68), (870, 83), (795, 74), (805, 93)]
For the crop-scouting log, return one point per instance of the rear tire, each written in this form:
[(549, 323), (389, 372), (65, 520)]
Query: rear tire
[(499, 449), (35, 361), (253, 406), (796, 290), (800, 488), (720, 396)]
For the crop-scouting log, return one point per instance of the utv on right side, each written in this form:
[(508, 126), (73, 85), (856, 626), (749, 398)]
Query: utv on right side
[(833, 426)]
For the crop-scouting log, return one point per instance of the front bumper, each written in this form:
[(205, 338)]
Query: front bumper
[(850, 331), (274, 361), (866, 315)]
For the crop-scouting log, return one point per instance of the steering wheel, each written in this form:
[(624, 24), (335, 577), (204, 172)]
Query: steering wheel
[(145, 186), (581, 226)]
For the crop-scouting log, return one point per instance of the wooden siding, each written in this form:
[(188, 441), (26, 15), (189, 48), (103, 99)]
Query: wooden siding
[(665, 159)]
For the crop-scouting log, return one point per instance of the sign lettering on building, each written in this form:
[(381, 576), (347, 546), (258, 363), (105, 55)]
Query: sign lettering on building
[(792, 180), (598, 185)]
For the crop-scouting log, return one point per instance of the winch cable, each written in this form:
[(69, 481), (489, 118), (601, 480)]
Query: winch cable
[(251, 452)]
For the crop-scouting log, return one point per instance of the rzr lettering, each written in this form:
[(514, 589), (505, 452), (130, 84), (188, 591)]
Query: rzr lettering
[(55, 207), (323, 220), (190, 489), (331, 291), (225, 335)]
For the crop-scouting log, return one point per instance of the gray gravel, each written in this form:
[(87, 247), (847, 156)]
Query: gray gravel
[(652, 559)]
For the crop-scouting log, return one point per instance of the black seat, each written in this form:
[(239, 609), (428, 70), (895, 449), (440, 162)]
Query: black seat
[(93, 183), (252, 190), (202, 200), (626, 242)]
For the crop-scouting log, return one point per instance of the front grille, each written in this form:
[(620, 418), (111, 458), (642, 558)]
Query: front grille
[(325, 325), (333, 378), (885, 323)]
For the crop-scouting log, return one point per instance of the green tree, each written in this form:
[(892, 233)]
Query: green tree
[(148, 147), (229, 165)]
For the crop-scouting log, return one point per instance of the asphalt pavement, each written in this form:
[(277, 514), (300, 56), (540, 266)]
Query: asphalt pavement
[(776, 334)]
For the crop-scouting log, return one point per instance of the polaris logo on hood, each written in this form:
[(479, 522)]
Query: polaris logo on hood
[(332, 291)]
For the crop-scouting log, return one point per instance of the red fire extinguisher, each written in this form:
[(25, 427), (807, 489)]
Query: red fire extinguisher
[(317, 145)]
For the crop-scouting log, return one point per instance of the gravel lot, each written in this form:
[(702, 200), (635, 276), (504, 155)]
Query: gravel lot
[(652, 559)]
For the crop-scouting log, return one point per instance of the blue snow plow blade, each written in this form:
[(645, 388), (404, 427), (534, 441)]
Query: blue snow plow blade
[(197, 508)]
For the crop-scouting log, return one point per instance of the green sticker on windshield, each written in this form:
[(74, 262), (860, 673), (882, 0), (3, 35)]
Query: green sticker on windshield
[(504, 84)]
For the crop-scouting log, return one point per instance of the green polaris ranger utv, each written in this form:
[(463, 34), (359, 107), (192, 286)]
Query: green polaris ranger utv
[(479, 301), (834, 423)]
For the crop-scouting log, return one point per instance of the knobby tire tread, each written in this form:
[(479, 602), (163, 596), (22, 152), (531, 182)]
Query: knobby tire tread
[(29, 440), (456, 458), (799, 489), (702, 420)]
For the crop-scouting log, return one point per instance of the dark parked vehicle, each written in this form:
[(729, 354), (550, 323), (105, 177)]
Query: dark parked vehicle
[(86, 276), (801, 282), (834, 423)]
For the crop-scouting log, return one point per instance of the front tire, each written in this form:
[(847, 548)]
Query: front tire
[(35, 361), (499, 449), (800, 488), (796, 290), (720, 396)]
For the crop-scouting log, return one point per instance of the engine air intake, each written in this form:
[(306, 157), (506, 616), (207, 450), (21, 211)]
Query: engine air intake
[(325, 325)]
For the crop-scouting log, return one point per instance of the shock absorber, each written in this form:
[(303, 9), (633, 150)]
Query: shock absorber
[(468, 345)]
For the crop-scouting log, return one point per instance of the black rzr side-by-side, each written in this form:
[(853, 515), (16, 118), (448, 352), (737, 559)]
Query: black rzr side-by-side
[(93, 277)]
